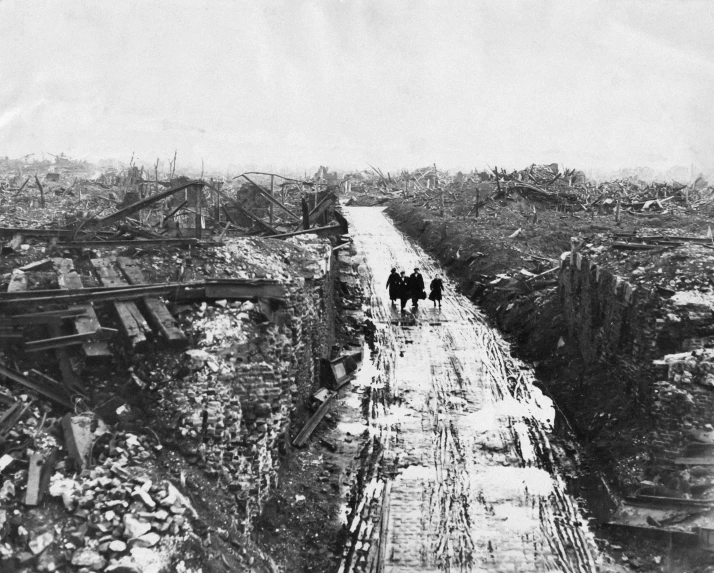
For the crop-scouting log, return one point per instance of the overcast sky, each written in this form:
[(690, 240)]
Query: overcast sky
[(346, 83)]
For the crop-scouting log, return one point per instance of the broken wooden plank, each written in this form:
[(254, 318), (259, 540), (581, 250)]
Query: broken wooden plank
[(244, 292), (87, 323), (51, 394), (132, 321), (139, 205), (637, 246), (38, 477), (18, 281), (241, 289), (8, 418), (312, 423), (139, 243), (316, 230), (31, 232), (65, 341), (156, 312), (47, 317), (44, 264), (34, 472), (13, 246)]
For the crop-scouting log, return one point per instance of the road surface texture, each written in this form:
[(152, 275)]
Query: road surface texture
[(457, 473)]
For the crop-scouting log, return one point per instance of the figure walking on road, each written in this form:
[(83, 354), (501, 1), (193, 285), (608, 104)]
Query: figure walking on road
[(436, 287), (394, 284), (403, 289), (416, 287)]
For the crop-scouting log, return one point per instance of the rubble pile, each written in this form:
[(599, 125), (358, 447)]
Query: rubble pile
[(115, 506), (224, 405), (536, 188)]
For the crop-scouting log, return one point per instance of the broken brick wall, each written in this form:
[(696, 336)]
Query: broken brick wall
[(271, 391), (610, 321), (258, 364)]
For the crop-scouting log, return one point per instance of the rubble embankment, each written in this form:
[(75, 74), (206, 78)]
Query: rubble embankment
[(172, 452), (620, 335)]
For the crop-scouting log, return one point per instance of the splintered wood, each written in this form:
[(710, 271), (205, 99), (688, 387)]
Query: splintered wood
[(88, 323), (156, 312), (132, 321)]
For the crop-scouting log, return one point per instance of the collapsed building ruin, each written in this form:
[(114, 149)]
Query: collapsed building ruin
[(163, 339), (140, 356)]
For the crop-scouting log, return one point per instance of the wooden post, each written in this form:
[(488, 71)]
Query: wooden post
[(199, 222), (478, 198), (305, 214), (272, 193), (42, 192), (498, 183), (216, 202)]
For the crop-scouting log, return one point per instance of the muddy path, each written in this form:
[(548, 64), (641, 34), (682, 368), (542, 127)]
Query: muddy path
[(457, 472)]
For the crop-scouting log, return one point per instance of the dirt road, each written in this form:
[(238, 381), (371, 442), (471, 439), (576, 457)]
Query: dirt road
[(457, 474)]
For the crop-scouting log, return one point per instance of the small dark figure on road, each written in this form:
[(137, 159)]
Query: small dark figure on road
[(404, 292), (436, 287), (394, 284), (416, 287)]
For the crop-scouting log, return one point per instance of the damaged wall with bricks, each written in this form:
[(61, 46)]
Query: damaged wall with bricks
[(659, 350), (610, 321), (252, 368)]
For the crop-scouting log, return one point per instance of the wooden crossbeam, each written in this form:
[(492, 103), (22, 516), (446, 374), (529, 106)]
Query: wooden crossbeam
[(42, 389), (64, 341), (139, 243), (131, 319), (244, 289), (305, 232), (156, 312), (255, 218), (139, 205)]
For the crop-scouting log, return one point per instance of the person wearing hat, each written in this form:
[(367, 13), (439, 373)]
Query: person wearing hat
[(394, 284), (416, 287), (404, 292)]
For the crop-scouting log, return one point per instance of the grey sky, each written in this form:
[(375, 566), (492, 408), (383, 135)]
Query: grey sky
[(344, 83)]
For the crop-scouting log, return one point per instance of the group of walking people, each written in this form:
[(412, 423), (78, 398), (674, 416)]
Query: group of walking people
[(402, 288)]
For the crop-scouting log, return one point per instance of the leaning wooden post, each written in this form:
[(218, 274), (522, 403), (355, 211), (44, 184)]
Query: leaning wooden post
[(272, 194), (42, 192)]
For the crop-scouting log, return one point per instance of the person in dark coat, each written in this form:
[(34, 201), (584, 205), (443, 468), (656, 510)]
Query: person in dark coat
[(394, 284), (436, 287), (404, 291), (416, 287)]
